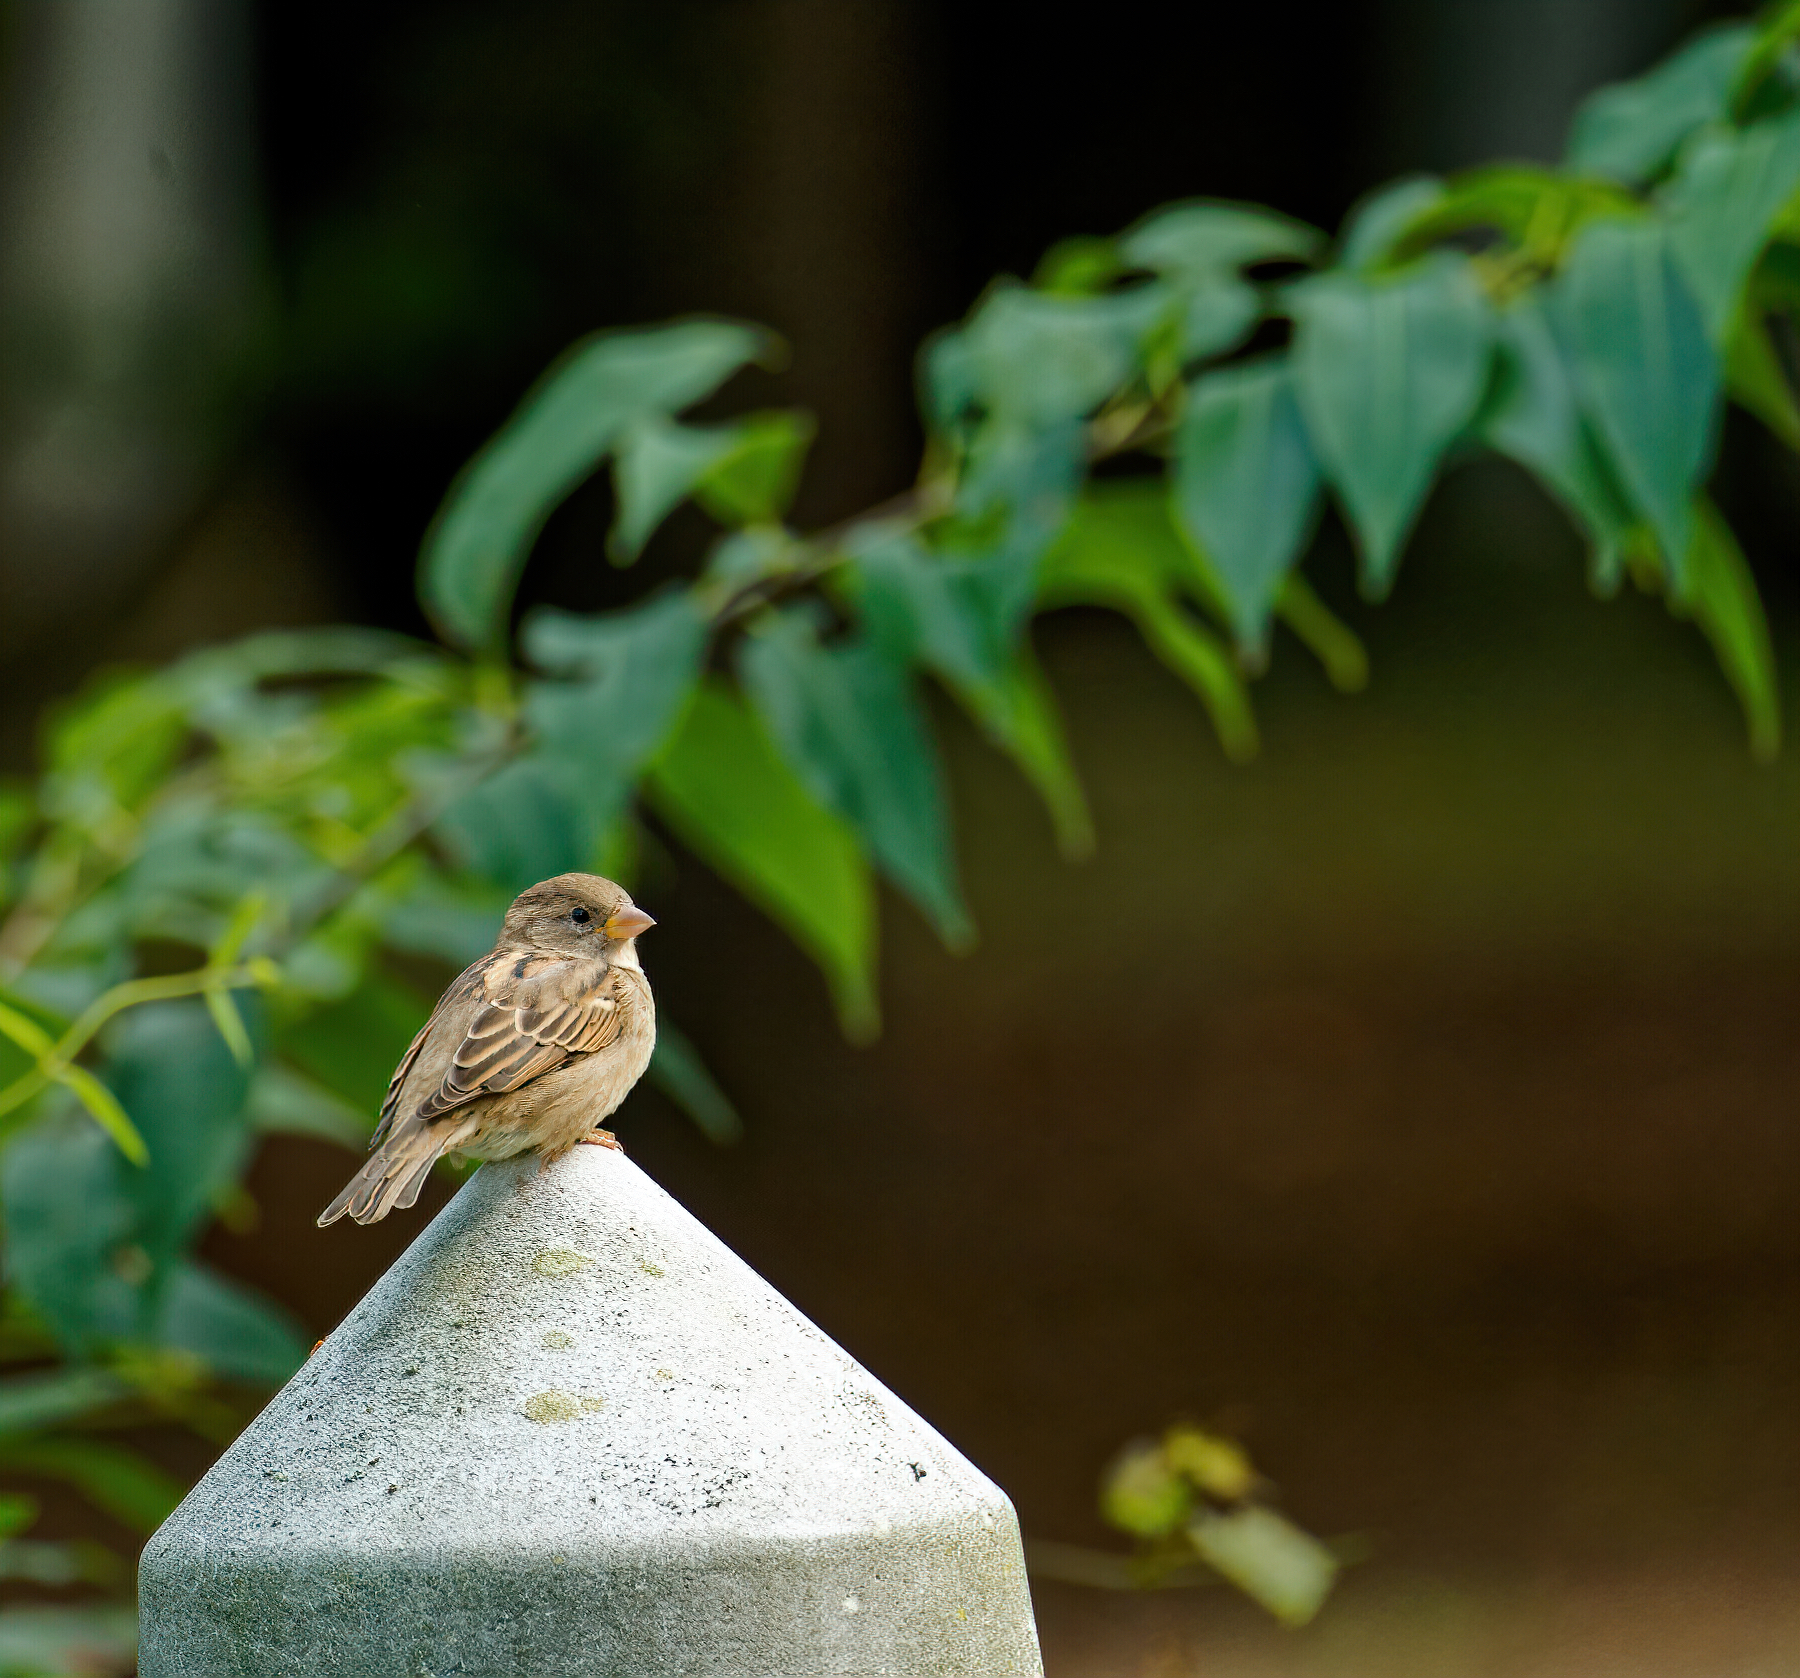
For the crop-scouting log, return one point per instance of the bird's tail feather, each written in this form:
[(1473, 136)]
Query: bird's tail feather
[(392, 1177)]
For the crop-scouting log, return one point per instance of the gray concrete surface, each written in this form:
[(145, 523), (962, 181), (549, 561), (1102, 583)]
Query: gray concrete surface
[(570, 1433)]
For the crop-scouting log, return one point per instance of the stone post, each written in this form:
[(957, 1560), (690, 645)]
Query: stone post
[(570, 1434)]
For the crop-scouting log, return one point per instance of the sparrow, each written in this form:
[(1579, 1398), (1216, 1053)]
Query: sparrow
[(533, 1047)]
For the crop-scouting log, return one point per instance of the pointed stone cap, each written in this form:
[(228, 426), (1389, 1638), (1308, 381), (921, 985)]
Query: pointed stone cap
[(571, 1433)]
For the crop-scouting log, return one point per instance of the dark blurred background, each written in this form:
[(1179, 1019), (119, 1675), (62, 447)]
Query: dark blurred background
[(1417, 1102)]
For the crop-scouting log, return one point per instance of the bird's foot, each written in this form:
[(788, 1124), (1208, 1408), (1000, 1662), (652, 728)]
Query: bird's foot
[(604, 1139)]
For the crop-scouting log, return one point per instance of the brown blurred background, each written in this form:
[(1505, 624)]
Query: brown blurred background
[(1417, 1102)]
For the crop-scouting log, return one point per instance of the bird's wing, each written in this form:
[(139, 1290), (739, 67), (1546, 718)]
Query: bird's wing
[(533, 1013), (470, 979)]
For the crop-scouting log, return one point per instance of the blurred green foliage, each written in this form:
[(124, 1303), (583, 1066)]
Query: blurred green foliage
[(206, 885)]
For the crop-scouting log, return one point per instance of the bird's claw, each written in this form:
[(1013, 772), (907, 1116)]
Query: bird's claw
[(604, 1139)]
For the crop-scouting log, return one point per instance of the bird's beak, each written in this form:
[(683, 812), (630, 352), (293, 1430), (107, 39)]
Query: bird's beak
[(627, 923)]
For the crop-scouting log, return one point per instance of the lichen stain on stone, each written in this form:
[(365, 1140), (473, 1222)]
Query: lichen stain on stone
[(649, 1269), (557, 1341), (561, 1261), (553, 1405)]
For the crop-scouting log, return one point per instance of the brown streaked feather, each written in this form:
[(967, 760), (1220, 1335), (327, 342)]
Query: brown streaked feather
[(466, 981), (537, 1011)]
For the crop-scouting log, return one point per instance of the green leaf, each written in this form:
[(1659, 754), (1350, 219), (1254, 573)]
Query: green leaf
[(111, 746), (1199, 250), (679, 1071), (1729, 189), (1213, 237), (1121, 551), (1143, 1495), (1246, 485), (477, 545), (70, 1228), (655, 466), (1535, 419), (533, 818), (1536, 209), (1645, 371), (1630, 131), (628, 674), (30, 1403), (1269, 1559), (1324, 634), (1723, 600), (724, 789), (1389, 370), (234, 1330), (1018, 713), (848, 721), (1756, 380), (106, 1112), (947, 614), (180, 1084), (1376, 226), (754, 480), (1039, 359), (124, 1483), (1078, 267)]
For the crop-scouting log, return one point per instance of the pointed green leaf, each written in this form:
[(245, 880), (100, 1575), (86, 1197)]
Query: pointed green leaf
[(106, 1111), (627, 676), (1389, 370), (69, 1223), (1756, 380), (1536, 209), (1200, 249), (1214, 237), (1535, 419), (1018, 713), (1121, 551), (478, 543), (755, 479), (919, 607), (679, 1071), (1330, 640), (1646, 374), (186, 1093), (1731, 185), (655, 467), (1630, 131), (1246, 485), (1724, 602), (1040, 358), (1269, 1559), (723, 788), (848, 720), (1376, 226)]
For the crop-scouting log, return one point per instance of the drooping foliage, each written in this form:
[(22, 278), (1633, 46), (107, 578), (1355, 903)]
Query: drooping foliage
[(201, 887)]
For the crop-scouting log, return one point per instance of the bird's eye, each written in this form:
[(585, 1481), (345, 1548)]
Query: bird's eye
[(580, 916)]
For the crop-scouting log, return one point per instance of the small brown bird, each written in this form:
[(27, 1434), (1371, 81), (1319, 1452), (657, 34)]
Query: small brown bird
[(533, 1047)]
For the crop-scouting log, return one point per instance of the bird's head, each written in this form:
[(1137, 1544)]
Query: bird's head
[(580, 914)]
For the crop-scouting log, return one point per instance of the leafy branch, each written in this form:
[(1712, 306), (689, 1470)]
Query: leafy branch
[(1154, 424)]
